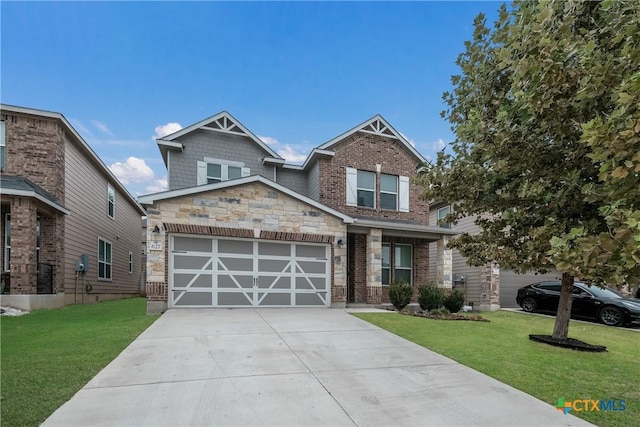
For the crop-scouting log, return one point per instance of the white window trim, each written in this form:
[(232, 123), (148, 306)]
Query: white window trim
[(130, 262), (445, 225), (396, 193), (110, 190), (202, 173), (395, 263), (100, 239), (6, 243)]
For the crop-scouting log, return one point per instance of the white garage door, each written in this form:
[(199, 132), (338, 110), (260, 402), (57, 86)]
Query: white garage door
[(225, 272)]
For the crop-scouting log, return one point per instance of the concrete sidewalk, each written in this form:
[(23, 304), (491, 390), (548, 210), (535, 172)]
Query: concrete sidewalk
[(297, 367)]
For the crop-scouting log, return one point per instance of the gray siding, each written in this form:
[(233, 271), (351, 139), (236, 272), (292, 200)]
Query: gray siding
[(509, 280), (459, 264), (313, 181), (293, 179), (202, 143), (86, 198)]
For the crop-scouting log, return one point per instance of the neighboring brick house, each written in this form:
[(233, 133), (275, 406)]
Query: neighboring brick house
[(487, 287), (62, 207), (240, 226)]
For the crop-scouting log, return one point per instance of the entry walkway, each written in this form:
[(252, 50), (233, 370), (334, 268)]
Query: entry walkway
[(296, 367)]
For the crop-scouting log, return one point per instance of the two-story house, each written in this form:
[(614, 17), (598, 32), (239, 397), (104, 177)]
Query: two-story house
[(239, 226), (487, 287), (70, 231)]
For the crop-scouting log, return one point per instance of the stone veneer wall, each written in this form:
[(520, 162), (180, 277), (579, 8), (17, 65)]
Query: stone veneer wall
[(374, 266), (490, 287), (253, 206)]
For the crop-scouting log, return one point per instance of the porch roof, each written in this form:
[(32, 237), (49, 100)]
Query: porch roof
[(400, 228), (20, 186)]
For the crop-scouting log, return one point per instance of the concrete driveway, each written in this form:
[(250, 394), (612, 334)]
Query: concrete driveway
[(297, 367)]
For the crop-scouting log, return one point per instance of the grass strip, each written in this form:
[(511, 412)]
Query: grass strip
[(48, 355)]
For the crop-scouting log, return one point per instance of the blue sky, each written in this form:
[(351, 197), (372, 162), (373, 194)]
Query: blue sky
[(295, 74)]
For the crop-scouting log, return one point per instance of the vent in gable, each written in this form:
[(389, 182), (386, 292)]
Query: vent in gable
[(377, 127)]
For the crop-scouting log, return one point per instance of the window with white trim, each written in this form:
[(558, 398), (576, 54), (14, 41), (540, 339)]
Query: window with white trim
[(216, 170), (403, 263), (3, 144), (111, 201), (442, 214), (386, 263), (130, 262), (389, 192), (361, 190), (366, 189), (7, 242), (104, 259)]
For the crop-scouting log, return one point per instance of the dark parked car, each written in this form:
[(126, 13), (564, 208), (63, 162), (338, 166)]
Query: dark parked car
[(591, 302)]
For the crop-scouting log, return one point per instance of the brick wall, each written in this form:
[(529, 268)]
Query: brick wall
[(363, 151), (357, 259), (35, 149)]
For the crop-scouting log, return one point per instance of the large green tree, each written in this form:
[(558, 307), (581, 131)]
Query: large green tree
[(546, 118)]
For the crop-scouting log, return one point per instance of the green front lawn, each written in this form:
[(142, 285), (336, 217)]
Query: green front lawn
[(502, 350), (48, 355)]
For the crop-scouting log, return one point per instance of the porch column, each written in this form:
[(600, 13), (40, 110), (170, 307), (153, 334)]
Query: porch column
[(374, 266), (490, 287), (23, 246), (444, 268), (51, 247)]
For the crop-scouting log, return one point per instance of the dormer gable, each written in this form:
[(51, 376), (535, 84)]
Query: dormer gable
[(376, 125), (222, 122)]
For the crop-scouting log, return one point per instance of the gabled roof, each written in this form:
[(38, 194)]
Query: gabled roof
[(150, 199), (376, 125), (221, 122), (20, 186), (82, 144)]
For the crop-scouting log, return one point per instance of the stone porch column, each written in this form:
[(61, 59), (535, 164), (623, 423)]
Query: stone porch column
[(490, 287), (444, 268), (374, 266), (23, 246)]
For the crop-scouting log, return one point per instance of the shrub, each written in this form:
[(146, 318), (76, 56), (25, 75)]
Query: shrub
[(430, 297), (454, 301), (400, 294)]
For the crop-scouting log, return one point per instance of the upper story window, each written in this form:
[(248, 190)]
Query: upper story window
[(104, 259), (111, 201), (3, 145), (389, 192), (366, 189), (442, 214), (217, 170), (361, 190)]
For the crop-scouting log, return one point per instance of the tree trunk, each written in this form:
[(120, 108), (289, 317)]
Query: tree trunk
[(561, 327)]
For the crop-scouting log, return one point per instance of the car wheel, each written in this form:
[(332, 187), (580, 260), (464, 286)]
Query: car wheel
[(529, 305), (611, 316)]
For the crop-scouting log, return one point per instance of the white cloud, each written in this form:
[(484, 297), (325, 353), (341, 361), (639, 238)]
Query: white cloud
[(269, 141), (286, 151), (102, 127), (133, 170), (409, 140), (158, 186), (167, 129), (439, 144), (292, 155)]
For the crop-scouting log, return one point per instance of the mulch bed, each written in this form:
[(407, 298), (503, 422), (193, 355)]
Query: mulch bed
[(568, 343), (454, 316)]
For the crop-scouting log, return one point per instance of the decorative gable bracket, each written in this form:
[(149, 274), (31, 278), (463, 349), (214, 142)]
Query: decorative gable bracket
[(225, 124), (377, 127)]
